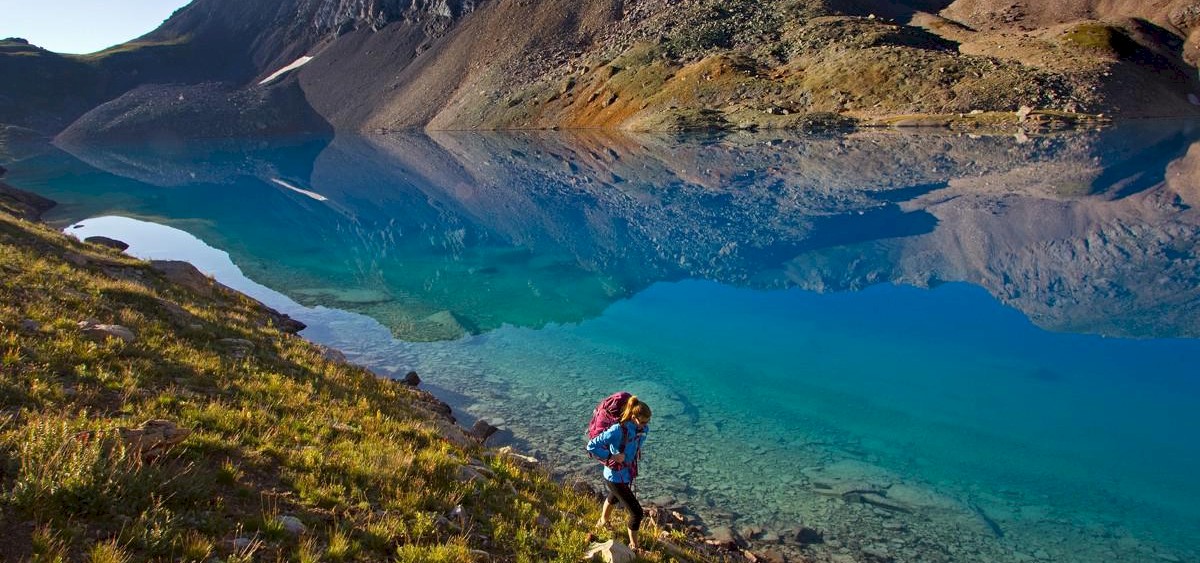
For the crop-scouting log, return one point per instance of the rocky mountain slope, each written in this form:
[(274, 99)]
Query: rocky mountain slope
[(631, 64)]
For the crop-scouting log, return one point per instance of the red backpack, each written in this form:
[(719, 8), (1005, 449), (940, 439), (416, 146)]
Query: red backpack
[(608, 413)]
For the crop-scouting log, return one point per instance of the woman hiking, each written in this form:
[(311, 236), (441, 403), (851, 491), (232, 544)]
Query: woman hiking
[(619, 447)]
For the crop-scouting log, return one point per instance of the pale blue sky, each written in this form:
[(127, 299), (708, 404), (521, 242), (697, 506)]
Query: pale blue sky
[(82, 26)]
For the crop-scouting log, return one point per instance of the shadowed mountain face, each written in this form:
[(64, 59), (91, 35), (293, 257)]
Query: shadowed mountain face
[(437, 235)]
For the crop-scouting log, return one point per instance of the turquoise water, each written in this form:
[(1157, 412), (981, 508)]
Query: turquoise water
[(997, 335)]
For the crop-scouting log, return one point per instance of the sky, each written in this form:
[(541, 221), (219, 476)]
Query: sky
[(82, 26)]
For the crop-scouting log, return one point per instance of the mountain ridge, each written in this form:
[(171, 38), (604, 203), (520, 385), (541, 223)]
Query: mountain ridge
[(638, 64)]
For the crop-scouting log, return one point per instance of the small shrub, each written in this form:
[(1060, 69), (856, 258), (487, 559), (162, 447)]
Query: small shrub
[(48, 546), (453, 552), (61, 472), (107, 552), (341, 547), (196, 547), (308, 551)]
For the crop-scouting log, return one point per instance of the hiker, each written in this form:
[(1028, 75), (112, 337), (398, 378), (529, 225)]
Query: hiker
[(619, 447)]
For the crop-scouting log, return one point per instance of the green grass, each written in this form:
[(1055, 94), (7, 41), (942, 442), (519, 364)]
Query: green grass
[(1100, 38), (281, 431)]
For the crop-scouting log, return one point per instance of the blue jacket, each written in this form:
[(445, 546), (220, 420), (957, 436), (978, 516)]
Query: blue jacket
[(609, 442)]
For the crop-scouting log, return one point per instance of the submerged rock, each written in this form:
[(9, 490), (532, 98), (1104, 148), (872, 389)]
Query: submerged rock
[(805, 535), (724, 537)]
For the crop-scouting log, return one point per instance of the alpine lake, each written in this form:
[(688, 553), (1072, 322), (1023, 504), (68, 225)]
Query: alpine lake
[(929, 346)]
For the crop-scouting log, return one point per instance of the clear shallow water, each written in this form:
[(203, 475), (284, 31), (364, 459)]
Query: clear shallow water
[(999, 335)]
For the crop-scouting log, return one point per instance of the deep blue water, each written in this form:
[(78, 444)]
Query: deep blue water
[(998, 334)]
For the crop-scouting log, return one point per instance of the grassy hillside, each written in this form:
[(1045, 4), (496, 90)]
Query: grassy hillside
[(205, 432)]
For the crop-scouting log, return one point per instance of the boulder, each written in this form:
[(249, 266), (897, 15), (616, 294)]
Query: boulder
[(750, 532), (332, 354), (468, 474), (30, 325), (528, 462), (153, 437), (411, 379), (723, 537), (186, 275), (23, 204), (772, 556), (283, 322), (109, 242), (583, 488), (238, 347), (610, 551), (482, 430), (292, 525), (102, 332)]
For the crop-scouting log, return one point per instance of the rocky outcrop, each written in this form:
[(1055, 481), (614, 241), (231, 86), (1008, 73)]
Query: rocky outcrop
[(651, 65), (23, 204), (170, 115)]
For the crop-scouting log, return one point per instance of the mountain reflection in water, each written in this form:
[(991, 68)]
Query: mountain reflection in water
[(441, 234)]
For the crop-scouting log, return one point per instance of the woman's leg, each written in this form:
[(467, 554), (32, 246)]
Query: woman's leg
[(606, 512), (624, 494)]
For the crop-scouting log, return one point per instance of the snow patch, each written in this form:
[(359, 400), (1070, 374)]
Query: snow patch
[(295, 65), (313, 195)]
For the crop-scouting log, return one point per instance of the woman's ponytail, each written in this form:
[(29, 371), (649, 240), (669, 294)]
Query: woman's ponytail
[(635, 409)]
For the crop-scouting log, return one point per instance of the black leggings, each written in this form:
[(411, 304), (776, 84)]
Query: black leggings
[(620, 492)]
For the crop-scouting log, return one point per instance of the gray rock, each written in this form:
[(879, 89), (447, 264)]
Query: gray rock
[(582, 488), (468, 474), (293, 525), (751, 532), (411, 379), (772, 556), (482, 430), (238, 347), (877, 553), (805, 535), (102, 332), (610, 551), (186, 275), (109, 242), (333, 355), (30, 325), (528, 462), (724, 537)]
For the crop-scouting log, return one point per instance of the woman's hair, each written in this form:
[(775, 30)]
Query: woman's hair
[(635, 408)]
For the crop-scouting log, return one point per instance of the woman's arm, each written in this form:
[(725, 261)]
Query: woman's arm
[(601, 446)]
